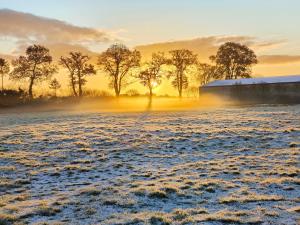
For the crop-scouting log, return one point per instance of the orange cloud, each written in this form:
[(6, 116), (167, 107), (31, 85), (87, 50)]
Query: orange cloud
[(60, 49), (7, 57), (279, 59), (27, 27), (207, 46)]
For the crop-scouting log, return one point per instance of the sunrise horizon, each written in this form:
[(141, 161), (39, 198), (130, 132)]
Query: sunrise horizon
[(62, 31), (149, 112)]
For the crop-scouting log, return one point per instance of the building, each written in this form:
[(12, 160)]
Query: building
[(279, 89)]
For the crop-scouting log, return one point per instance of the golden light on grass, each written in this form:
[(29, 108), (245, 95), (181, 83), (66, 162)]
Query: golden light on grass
[(141, 104)]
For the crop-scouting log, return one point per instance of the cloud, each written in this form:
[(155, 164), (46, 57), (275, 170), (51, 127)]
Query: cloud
[(279, 59), (58, 49), (261, 46), (207, 46), (25, 27), (7, 57)]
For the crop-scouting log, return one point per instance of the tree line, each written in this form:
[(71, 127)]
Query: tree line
[(118, 62)]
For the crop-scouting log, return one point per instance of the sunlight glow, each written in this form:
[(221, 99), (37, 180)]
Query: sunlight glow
[(154, 84)]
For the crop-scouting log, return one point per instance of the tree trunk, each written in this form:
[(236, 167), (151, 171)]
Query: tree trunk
[(149, 106), (73, 85), (79, 84), (180, 93), (117, 82), (2, 82), (180, 86), (30, 88), (150, 92), (117, 93), (74, 89), (80, 90), (31, 82), (119, 86)]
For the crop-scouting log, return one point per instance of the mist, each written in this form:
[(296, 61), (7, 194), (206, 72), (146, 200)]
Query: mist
[(125, 104)]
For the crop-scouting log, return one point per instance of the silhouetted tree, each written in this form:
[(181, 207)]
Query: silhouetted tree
[(132, 92), (193, 91), (207, 72), (54, 85), (35, 66), (4, 69), (96, 93), (117, 61), (181, 60), (150, 76), (11, 97), (236, 59), (69, 64), (79, 68)]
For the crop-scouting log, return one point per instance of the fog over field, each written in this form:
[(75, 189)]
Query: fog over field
[(235, 165)]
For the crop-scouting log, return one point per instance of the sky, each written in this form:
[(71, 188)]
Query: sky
[(270, 27)]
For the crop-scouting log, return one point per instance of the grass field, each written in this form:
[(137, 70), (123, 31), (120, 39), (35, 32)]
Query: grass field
[(214, 166)]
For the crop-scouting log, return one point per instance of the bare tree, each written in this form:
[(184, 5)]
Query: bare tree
[(79, 68), (35, 66), (193, 91), (117, 61), (181, 60), (4, 69), (236, 59), (206, 73), (150, 76), (54, 85), (69, 64), (132, 92)]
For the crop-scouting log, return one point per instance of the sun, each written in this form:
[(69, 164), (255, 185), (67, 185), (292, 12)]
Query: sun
[(154, 84)]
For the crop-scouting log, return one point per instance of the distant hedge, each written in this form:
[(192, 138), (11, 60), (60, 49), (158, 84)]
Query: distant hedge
[(11, 97)]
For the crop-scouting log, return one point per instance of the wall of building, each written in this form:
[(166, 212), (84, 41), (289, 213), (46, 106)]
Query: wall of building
[(263, 93)]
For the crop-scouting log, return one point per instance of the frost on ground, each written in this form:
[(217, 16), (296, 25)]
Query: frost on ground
[(236, 166)]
